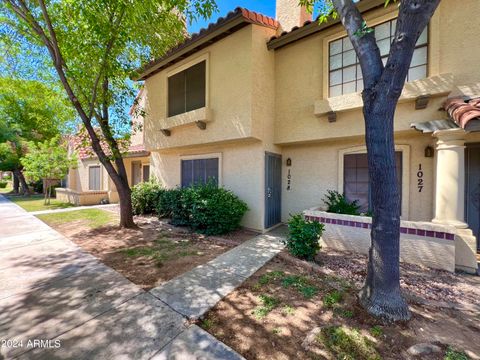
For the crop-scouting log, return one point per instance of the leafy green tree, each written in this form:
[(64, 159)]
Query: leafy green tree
[(48, 161), (94, 46), (383, 86), (29, 111)]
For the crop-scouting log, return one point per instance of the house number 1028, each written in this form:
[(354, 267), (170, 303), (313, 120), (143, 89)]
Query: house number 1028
[(420, 178)]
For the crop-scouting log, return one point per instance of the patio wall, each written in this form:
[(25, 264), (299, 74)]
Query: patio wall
[(421, 243), (81, 198)]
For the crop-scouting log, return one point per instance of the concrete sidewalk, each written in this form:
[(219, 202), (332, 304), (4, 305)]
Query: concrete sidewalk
[(194, 293), (59, 302)]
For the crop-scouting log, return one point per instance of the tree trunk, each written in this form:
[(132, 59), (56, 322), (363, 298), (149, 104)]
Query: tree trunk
[(381, 295), (23, 182), (126, 213), (16, 183)]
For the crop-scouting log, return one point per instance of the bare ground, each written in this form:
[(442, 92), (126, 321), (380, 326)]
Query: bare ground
[(152, 254), (287, 331)]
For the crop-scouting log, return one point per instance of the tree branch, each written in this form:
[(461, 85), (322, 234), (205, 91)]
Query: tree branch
[(365, 45), (413, 18)]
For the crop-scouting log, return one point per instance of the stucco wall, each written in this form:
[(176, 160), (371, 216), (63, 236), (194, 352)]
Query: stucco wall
[(301, 75), (317, 168), (240, 167), (424, 244), (78, 177), (240, 78)]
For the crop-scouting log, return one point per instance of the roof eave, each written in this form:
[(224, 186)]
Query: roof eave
[(315, 26), (201, 41)]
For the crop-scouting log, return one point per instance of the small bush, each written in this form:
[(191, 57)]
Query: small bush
[(207, 208), (171, 205), (214, 211), (332, 298), (453, 354), (303, 238), (3, 184), (145, 197), (338, 203)]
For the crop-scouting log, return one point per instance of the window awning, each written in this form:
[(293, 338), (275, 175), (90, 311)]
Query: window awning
[(428, 127)]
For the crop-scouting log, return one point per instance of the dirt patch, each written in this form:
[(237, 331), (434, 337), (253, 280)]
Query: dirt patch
[(152, 254), (286, 312), (418, 281)]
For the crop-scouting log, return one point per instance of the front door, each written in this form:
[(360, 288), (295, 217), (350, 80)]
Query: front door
[(472, 188), (273, 189)]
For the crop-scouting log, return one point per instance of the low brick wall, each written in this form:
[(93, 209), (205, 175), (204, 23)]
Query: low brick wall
[(421, 243), (81, 198)]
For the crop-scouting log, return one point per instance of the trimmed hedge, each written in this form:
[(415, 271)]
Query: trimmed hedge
[(206, 208), (145, 197), (304, 235), (3, 184)]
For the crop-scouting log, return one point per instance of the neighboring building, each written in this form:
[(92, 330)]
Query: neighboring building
[(276, 116), (89, 183)]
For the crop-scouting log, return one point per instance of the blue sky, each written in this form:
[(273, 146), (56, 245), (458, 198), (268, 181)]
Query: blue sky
[(266, 7)]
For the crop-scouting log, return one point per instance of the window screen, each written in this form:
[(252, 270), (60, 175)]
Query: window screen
[(199, 171), (186, 90), (356, 184), (94, 178), (345, 75)]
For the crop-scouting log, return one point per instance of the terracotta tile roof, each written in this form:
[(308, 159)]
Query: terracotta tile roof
[(83, 151), (463, 111), (311, 27), (205, 37)]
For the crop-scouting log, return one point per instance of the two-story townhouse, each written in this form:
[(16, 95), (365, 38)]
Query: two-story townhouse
[(89, 183), (272, 109)]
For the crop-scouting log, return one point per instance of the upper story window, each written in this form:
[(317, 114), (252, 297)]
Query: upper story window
[(345, 75), (186, 90)]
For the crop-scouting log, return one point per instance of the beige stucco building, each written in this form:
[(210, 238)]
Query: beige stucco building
[(89, 183), (272, 110)]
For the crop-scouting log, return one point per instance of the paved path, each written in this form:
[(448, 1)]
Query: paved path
[(197, 291), (50, 289)]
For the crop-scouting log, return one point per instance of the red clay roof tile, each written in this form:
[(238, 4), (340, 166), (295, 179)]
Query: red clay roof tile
[(462, 111)]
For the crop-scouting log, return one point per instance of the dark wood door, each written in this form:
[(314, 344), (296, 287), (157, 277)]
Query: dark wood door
[(472, 189), (273, 189)]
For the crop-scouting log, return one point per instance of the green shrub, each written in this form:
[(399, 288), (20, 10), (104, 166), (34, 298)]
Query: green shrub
[(3, 184), (145, 197), (172, 204), (338, 203), (303, 238), (205, 208), (214, 210)]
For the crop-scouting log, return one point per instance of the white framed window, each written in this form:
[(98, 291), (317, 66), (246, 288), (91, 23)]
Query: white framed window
[(94, 177), (345, 74)]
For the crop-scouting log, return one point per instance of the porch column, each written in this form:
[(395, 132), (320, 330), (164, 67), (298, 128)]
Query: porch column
[(450, 178)]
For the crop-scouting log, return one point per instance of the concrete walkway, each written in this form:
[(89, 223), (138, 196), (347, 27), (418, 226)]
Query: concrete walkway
[(197, 291), (52, 291)]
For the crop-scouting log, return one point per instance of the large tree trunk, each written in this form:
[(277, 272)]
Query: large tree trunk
[(381, 295), (383, 85), (23, 182), (120, 181), (16, 183)]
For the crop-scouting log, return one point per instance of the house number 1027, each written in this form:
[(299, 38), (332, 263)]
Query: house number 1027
[(420, 178)]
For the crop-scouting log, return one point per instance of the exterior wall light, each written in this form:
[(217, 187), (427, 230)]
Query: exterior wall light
[(289, 162), (429, 152)]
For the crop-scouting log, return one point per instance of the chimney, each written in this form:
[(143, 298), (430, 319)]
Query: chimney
[(290, 14)]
